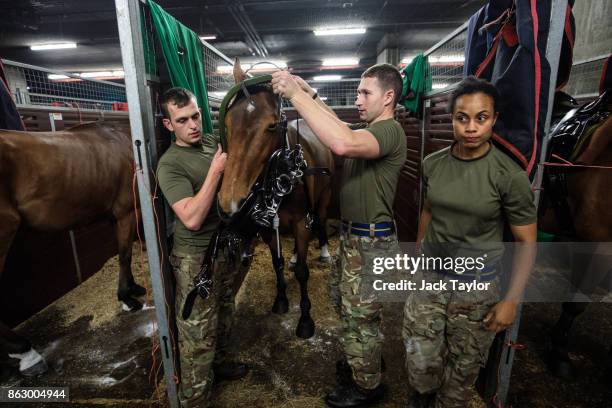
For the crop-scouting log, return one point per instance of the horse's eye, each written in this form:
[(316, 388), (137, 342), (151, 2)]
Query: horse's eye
[(272, 127)]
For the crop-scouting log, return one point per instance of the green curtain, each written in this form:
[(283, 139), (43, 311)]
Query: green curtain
[(417, 81), (184, 56)]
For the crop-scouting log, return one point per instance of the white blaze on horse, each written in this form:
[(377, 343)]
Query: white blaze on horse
[(54, 181)]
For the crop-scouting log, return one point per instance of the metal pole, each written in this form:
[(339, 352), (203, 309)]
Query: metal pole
[(553, 54), (142, 125)]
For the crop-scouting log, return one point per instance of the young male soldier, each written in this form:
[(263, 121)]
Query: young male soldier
[(188, 174), (374, 157)]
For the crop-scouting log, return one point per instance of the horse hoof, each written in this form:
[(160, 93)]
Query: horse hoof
[(131, 305), (291, 266), (137, 290), (325, 259), (37, 369), (281, 306), (305, 328)]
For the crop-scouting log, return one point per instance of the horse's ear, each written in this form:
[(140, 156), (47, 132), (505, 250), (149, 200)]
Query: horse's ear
[(239, 74)]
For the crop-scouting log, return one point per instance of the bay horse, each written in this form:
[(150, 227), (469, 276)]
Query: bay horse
[(54, 181), (251, 127), (588, 218)]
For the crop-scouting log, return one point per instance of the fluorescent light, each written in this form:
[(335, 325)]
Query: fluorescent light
[(323, 98), (327, 78), (57, 76), (446, 58), (332, 62), (439, 86), (208, 37), (58, 46), (97, 74), (227, 69), (339, 31)]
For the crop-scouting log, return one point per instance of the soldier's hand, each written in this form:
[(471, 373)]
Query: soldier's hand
[(501, 316), (218, 162), (304, 85), (283, 84)]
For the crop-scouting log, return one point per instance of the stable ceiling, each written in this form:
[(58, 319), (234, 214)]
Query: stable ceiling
[(251, 29)]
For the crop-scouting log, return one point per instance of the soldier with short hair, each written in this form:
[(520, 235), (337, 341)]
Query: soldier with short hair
[(471, 189), (189, 173), (374, 156)]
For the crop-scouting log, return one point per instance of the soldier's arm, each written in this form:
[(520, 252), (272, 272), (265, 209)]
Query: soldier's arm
[(192, 211)]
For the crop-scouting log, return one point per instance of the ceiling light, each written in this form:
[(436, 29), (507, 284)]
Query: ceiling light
[(58, 46), (97, 74), (332, 62), (407, 60), (446, 58), (57, 76), (208, 37), (339, 31), (327, 78), (323, 98), (226, 69), (439, 86)]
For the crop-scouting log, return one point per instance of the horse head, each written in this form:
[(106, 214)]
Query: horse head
[(251, 137)]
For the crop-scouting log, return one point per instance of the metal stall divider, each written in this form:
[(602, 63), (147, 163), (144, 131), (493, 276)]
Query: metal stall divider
[(444, 80), (145, 154)]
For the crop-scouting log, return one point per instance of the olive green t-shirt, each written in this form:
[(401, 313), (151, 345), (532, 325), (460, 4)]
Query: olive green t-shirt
[(471, 199), (368, 186), (181, 172)]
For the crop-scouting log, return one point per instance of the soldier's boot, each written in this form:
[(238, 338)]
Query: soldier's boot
[(352, 395), (419, 400), (343, 370), (230, 371)]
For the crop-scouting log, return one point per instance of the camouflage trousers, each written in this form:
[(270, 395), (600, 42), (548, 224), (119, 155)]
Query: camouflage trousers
[(445, 340), (360, 311), (203, 338)]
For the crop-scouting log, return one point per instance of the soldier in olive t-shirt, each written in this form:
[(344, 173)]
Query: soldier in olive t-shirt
[(181, 172), (470, 200), (367, 190), (373, 158)]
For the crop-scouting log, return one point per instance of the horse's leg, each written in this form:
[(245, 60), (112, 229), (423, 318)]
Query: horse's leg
[(281, 303), (324, 255), (30, 362), (559, 361), (306, 326), (128, 288), (293, 259)]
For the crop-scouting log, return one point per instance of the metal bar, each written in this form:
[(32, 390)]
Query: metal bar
[(142, 124), (55, 71), (219, 53), (587, 60), (65, 109), (70, 98), (446, 39), (75, 255), (553, 54)]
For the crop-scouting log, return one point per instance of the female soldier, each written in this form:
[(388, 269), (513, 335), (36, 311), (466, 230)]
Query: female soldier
[(471, 190)]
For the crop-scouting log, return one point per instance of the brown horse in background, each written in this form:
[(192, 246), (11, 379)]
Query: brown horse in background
[(251, 140), (53, 181), (589, 201)]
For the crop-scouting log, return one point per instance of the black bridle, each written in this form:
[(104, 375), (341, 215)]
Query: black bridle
[(284, 169)]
